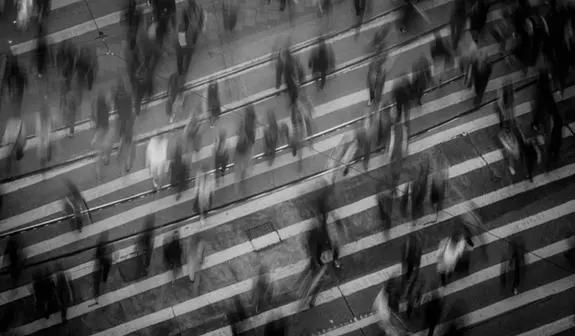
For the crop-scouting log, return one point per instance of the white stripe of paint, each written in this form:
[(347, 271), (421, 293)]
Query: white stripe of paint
[(56, 4), (216, 219), (359, 284), (19, 184), (348, 249), (87, 268), (470, 281), (553, 328), (206, 152)]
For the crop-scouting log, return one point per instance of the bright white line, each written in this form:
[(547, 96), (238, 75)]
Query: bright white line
[(552, 328), (353, 286), (34, 179)]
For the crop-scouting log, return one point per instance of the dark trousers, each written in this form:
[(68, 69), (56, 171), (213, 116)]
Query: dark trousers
[(183, 59), (359, 6), (101, 275)]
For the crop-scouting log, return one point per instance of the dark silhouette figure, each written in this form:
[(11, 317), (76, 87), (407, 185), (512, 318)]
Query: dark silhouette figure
[(103, 264)]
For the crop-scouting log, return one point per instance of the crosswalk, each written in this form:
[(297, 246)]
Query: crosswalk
[(266, 223)]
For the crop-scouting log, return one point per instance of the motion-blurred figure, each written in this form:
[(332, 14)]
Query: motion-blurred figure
[(103, 264), (42, 54), (221, 155), (513, 269), (146, 243), (441, 55), (451, 253), (478, 75), (75, 204), (102, 139), (15, 136), (477, 18), (421, 78), (126, 119), (271, 137), (230, 14), (439, 184), (457, 22), (376, 81), (15, 256), (173, 253), (321, 61), (45, 298), (244, 146), (261, 290), (64, 291), (412, 251), (203, 192), (176, 96), (157, 159), (44, 133), (179, 171), (433, 312), (213, 108), (196, 255), (87, 67), (386, 311)]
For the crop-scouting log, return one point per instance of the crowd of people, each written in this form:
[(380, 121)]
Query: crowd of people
[(538, 38)]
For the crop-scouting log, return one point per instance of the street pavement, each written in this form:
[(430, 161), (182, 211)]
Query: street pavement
[(265, 224)]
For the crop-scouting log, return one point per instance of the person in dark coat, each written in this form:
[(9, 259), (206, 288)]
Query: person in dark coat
[(319, 62), (478, 18), (14, 253), (146, 243), (433, 311), (412, 252), (271, 135), (75, 204), (457, 22), (221, 155), (179, 171), (441, 56), (375, 81), (214, 105), (421, 78), (123, 103), (230, 14), (64, 292), (44, 294), (42, 53), (514, 267), (173, 253), (544, 101), (554, 139), (103, 264), (480, 73)]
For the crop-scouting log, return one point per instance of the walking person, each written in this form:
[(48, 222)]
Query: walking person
[(214, 107), (179, 171), (45, 299), (196, 255), (103, 264), (157, 159), (15, 137), (15, 255), (221, 155), (126, 120), (433, 312), (76, 205), (203, 192), (320, 61), (146, 243), (102, 139), (173, 254), (514, 268), (65, 292), (271, 137)]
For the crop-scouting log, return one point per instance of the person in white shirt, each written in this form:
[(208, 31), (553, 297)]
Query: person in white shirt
[(157, 158), (203, 191), (449, 254)]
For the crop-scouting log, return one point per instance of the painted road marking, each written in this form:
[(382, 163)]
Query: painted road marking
[(292, 192), (331, 294), (553, 328), (475, 279), (348, 249), (206, 152), (58, 135)]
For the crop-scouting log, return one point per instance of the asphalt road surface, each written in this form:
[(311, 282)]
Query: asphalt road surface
[(265, 223)]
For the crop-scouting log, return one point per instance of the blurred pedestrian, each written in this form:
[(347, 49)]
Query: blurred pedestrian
[(173, 253), (44, 294), (76, 205), (15, 256), (179, 171), (479, 73), (477, 18), (433, 312), (376, 81), (42, 54), (321, 61), (214, 108), (271, 137), (457, 22), (412, 251), (261, 289), (103, 263), (175, 96), (441, 55), (64, 291), (513, 268), (87, 67), (451, 252), (44, 133), (126, 118), (421, 78), (221, 155), (244, 146), (15, 137), (146, 243), (203, 192), (157, 159), (196, 255), (230, 14), (554, 140), (439, 184)]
